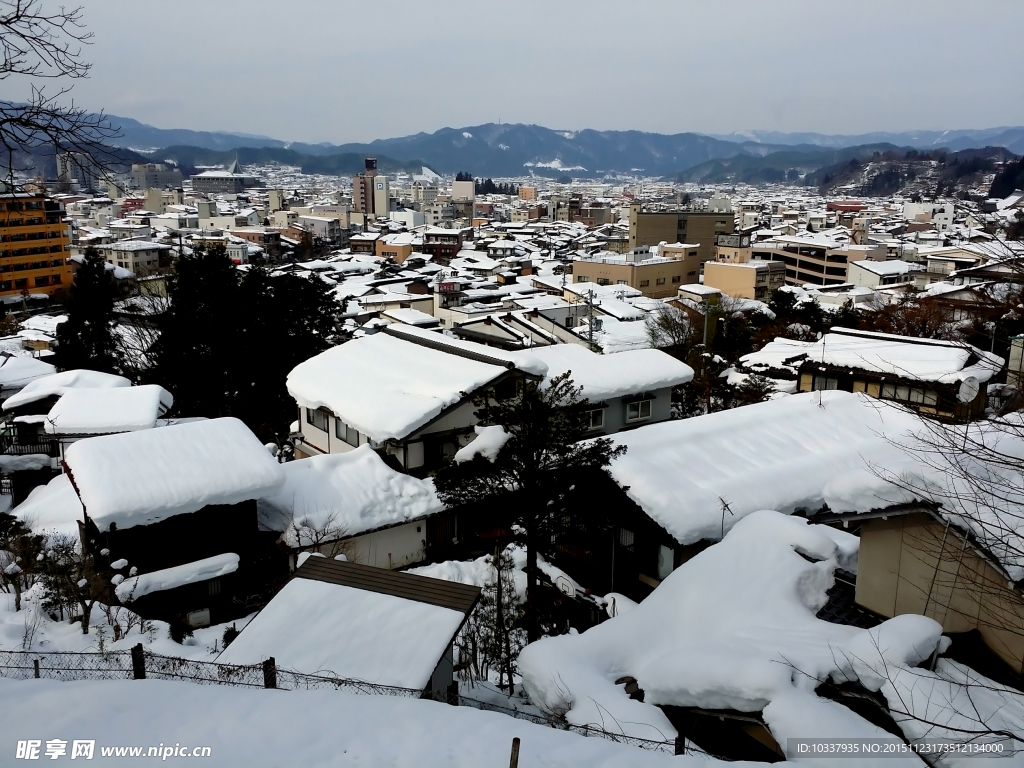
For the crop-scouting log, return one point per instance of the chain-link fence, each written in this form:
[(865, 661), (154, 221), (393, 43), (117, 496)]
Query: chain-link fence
[(139, 663), (113, 665)]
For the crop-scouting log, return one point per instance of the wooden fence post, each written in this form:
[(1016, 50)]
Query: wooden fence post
[(514, 762), (680, 745), (35, 665), (270, 673), (138, 662)]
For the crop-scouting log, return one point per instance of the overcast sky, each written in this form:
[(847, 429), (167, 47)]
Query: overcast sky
[(332, 70)]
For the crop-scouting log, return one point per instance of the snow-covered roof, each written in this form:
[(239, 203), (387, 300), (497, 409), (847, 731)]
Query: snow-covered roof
[(169, 578), (804, 450), (54, 507), (60, 383), (608, 376), (16, 372), (388, 386), (322, 628), (892, 267), (137, 478), (944, 362), (101, 411), (732, 628), (356, 491)]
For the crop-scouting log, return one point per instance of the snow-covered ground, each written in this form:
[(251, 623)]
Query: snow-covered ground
[(254, 727), (32, 630)]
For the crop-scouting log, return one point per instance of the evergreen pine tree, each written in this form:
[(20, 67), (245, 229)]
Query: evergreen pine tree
[(86, 339), (547, 427)]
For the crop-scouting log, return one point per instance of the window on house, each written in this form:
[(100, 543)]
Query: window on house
[(625, 537), (644, 283), (352, 436), (317, 418), (622, 282), (666, 561), (638, 411), (595, 418), (824, 382), (677, 278), (582, 279), (603, 281)]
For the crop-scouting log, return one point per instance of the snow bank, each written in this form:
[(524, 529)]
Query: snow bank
[(99, 411), (136, 478), (315, 729), (317, 627), (357, 489), (386, 387), (487, 443), (799, 451), (901, 641), (59, 383), (606, 376), (178, 576)]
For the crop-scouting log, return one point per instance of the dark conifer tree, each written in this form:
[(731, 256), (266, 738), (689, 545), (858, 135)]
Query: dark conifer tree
[(87, 339)]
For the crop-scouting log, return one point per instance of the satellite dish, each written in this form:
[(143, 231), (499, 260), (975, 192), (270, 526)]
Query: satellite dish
[(969, 389), (565, 586)]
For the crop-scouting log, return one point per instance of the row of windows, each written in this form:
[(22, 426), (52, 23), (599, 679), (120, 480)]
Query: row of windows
[(22, 282), (342, 431), (31, 205)]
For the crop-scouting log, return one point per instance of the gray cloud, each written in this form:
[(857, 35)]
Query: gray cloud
[(325, 70)]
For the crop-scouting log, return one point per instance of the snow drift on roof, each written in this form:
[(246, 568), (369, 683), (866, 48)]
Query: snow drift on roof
[(178, 576), (608, 376), (944, 362), (387, 387), (54, 507), (753, 597), (16, 372), (99, 411), (318, 627), (59, 383), (353, 492), (797, 451), (137, 478)]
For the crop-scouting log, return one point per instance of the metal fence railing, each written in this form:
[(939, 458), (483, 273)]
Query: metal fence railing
[(140, 664)]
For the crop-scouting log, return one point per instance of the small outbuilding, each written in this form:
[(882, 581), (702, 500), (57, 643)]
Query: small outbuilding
[(361, 623)]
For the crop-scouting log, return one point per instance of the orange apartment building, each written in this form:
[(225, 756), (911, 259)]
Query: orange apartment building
[(34, 246)]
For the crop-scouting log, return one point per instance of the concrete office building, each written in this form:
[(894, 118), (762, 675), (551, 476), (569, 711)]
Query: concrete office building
[(653, 227), (155, 176)]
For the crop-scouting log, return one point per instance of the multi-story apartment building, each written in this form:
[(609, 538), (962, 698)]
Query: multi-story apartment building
[(155, 176), (701, 227), (816, 259), (745, 280), (34, 246), (655, 277)]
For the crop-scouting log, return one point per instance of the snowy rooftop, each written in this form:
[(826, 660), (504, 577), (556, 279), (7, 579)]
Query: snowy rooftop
[(799, 451), (137, 478), (356, 622), (893, 267), (608, 376), (389, 384), (356, 490), (16, 372), (759, 647), (100, 411), (60, 383), (944, 362)]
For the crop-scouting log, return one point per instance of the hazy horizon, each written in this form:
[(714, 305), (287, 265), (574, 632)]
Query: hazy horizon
[(339, 72)]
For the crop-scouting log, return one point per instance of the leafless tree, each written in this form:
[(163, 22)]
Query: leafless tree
[(40, 44), (325, 536)]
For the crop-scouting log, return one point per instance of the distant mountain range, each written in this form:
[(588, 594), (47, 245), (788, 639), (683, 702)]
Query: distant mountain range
[(517, 149)]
